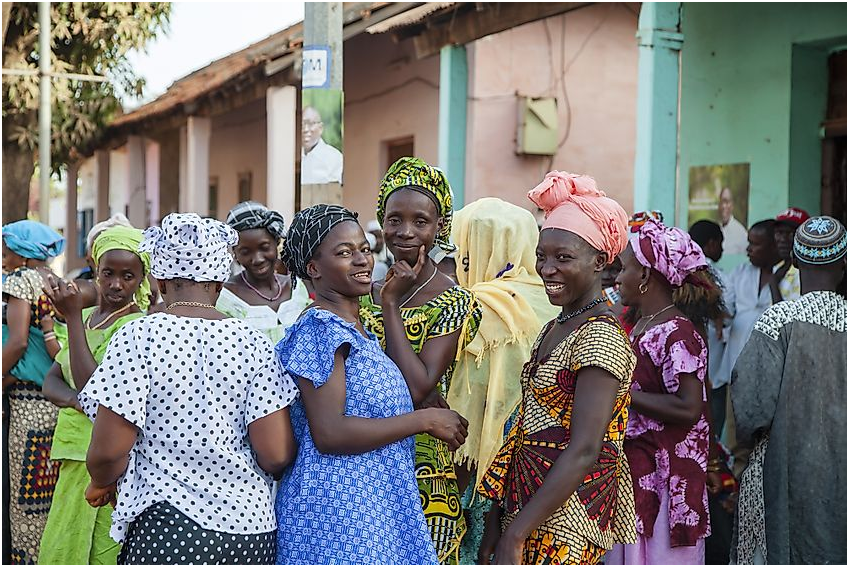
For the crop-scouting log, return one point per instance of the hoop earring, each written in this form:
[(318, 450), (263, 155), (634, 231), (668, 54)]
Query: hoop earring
[(643, 288)]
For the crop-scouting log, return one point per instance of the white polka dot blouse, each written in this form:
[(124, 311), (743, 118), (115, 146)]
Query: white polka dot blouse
[(192, 386)]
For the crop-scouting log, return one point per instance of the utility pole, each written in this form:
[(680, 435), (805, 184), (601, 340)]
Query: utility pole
[(323, 26), (322, 128), (44, 112)]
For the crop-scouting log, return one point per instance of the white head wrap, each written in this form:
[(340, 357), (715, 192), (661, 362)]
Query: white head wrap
[(190, 247), (115, 220)]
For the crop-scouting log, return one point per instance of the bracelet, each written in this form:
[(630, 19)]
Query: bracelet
[(49, 336)]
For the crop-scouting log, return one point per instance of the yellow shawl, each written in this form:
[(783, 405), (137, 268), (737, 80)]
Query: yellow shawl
[(496, 243)]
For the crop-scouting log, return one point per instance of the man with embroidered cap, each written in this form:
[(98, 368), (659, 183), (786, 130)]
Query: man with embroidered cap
[(785, 284), (789, 396)]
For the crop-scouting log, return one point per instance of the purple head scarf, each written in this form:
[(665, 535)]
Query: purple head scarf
[(668, 250)]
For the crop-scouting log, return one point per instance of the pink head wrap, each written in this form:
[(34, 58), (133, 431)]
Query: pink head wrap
[(669, 250), (574, 203)]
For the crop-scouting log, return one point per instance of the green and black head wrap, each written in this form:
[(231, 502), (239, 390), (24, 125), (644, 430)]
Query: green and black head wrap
[(413, 173)]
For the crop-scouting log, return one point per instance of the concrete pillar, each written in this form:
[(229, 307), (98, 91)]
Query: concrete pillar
[(119, 196), (453, 90), (136, 191), (281, 111), (660, 40), (72, 236), (101, 184), (182, 198), (151, 182), (194, 166)]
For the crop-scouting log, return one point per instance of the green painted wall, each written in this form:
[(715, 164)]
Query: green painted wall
[(753, 89)]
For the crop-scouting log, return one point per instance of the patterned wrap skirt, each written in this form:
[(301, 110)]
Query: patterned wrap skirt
[(32, 475)]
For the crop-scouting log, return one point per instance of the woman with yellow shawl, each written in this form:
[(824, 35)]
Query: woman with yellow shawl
[(496, 243), (76, 533)]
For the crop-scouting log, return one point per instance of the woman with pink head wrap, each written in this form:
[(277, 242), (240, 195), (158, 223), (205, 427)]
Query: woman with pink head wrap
[(669, 250), (574, 203), (668, 433), (560, 483)]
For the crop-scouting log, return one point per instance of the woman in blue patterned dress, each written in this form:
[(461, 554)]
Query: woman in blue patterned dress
[(351, 496)]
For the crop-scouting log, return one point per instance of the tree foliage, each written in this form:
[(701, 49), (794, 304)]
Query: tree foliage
[(86, 38)]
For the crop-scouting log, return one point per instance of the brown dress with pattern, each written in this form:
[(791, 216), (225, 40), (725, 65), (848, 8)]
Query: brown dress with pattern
[(601, 511)]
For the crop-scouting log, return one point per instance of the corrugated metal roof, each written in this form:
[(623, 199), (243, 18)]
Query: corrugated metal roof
[(409, 17), (216, 74), (207, 79)]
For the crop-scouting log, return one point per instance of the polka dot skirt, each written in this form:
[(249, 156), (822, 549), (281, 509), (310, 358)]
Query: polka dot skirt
[(161, 535)]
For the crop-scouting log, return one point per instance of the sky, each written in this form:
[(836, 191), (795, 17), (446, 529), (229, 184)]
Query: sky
[(201, 32)]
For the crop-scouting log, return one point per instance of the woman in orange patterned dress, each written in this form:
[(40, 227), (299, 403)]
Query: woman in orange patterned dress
[(561, 482)]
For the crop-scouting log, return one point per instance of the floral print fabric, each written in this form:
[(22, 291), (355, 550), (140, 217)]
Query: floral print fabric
[(664, 457)]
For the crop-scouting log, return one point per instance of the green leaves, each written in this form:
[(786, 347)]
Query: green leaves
[(86, 37)]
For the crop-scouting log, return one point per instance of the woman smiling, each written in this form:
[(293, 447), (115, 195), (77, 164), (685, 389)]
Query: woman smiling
[(560, 483), (424, 320), (351, 495), (265, 300)]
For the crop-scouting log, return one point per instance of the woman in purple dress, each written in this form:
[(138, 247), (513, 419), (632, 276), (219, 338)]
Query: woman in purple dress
[(667, 438)]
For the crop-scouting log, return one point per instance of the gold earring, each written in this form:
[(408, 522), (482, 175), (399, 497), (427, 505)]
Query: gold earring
[(643, 288)]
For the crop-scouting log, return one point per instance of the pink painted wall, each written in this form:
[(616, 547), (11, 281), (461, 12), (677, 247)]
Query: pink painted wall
[(237, 144), (388, 95), (600, 59)]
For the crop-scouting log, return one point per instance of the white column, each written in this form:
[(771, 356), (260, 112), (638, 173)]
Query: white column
[(136, 191), (281, 111), (196, 198), (101, 183), (118, 194), (182, 199), (152, 181)]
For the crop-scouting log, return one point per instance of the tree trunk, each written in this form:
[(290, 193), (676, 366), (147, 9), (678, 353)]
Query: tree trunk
[(18, 167), (7, 14)]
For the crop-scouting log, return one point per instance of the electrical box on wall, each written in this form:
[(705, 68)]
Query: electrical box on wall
[(538, 126)]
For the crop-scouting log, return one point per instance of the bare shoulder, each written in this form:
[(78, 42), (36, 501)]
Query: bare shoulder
[(440, 284)]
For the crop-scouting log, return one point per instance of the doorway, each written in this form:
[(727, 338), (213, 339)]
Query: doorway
[(833, 197)]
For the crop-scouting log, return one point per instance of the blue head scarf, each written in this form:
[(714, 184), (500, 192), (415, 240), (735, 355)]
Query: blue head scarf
[(32, 239)]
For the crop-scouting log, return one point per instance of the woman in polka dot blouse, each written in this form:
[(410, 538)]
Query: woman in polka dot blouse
[(192, 417)]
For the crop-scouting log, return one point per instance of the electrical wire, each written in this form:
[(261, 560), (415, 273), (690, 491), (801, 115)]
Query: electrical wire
[(564, 68), (392, 88)]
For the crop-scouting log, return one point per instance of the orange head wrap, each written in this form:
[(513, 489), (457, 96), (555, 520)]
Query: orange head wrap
[(573, 202)]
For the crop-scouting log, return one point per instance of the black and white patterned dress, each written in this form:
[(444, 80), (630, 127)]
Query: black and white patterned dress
[(789, 393)]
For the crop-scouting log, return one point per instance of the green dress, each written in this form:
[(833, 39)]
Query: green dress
[(76, 533), (453, 309)]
